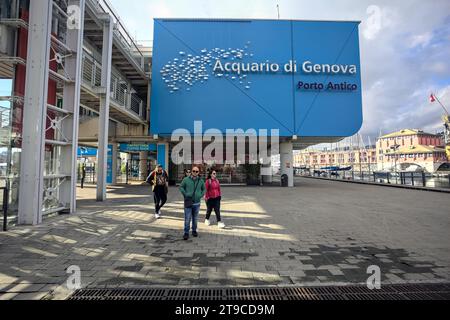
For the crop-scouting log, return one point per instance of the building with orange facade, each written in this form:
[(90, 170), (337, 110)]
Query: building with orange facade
[(364, 159), (411, 150), (405, 150)]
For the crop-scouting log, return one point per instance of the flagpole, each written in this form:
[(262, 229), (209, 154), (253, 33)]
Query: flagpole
[(443, 107)]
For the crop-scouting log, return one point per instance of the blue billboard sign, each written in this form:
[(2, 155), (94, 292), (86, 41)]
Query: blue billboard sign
[(87, 152), (127, 147), (301, 77)]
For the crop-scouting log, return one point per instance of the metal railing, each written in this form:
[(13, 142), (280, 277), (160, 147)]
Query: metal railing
[(413, 179), (136, 104), (10, 16), (90, 176), (120, 88), (121, 32)]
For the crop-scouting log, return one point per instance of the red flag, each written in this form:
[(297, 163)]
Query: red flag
[(432, 98)]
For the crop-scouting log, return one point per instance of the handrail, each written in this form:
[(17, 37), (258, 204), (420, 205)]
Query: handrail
[(106, 6), (119, 85)]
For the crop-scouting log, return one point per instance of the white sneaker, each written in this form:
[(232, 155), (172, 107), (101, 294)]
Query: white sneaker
[(221, 225), (157, 215), (207, 222)]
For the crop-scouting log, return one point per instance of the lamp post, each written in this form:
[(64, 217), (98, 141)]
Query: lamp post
[(395, 148), (360, 158)]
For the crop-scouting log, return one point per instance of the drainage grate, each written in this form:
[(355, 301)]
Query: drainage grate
[(391, 292)]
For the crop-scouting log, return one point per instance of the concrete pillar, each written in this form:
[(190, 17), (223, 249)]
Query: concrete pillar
[(267, 172), (103, 122), (287, 161), (71, 104), (35, 113), (143, 169)]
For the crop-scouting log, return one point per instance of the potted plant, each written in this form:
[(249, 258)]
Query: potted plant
[(253, 174)]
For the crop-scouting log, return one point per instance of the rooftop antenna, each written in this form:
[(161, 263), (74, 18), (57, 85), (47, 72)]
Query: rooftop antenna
[(278, 10)]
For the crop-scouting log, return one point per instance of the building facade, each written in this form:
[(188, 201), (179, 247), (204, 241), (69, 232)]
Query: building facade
[(405, 150), (359, 159), (411, 150), (259, 76)]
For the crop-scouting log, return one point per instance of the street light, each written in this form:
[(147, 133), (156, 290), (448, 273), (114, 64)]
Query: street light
[(395, 148)]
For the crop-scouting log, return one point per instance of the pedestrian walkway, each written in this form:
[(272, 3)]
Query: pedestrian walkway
[(319, 233)]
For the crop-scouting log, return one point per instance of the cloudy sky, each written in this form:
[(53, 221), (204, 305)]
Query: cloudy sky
[(405, 47)]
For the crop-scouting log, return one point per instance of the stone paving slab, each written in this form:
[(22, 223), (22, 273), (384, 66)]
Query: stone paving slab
[(312, 234)]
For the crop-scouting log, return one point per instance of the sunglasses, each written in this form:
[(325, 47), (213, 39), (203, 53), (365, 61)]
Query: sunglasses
[(214, 173), (195, 171)]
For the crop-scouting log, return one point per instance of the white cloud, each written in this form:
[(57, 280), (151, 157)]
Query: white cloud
[(439, 67), (160, 10), (421, 40)]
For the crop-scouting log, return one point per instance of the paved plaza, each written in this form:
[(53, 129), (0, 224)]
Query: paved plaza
[(321, 232)]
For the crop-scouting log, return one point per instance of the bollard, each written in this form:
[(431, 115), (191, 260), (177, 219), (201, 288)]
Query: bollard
[(424, 181), (389, 181), (412, 178)]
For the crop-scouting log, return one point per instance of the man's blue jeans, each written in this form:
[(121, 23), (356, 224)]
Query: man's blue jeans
[(191, 214)]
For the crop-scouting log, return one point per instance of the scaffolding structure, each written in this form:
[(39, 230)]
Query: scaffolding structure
[(68, 55)]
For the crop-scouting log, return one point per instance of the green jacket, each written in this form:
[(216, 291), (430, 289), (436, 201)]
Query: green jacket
[(187, 189)]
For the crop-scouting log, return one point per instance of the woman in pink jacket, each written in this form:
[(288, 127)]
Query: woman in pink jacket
[(213, 197)]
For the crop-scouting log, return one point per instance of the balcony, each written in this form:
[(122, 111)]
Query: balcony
[(126, 105), (127, 56), (129, 82)]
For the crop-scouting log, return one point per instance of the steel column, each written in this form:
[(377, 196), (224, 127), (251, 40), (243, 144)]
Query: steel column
[(104, 109), (71, 104), (35, 112)]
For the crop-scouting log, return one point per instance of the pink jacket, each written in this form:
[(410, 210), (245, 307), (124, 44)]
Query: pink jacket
[(212, 189)]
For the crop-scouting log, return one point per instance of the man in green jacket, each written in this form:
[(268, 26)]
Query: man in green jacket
[(193, 188)]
